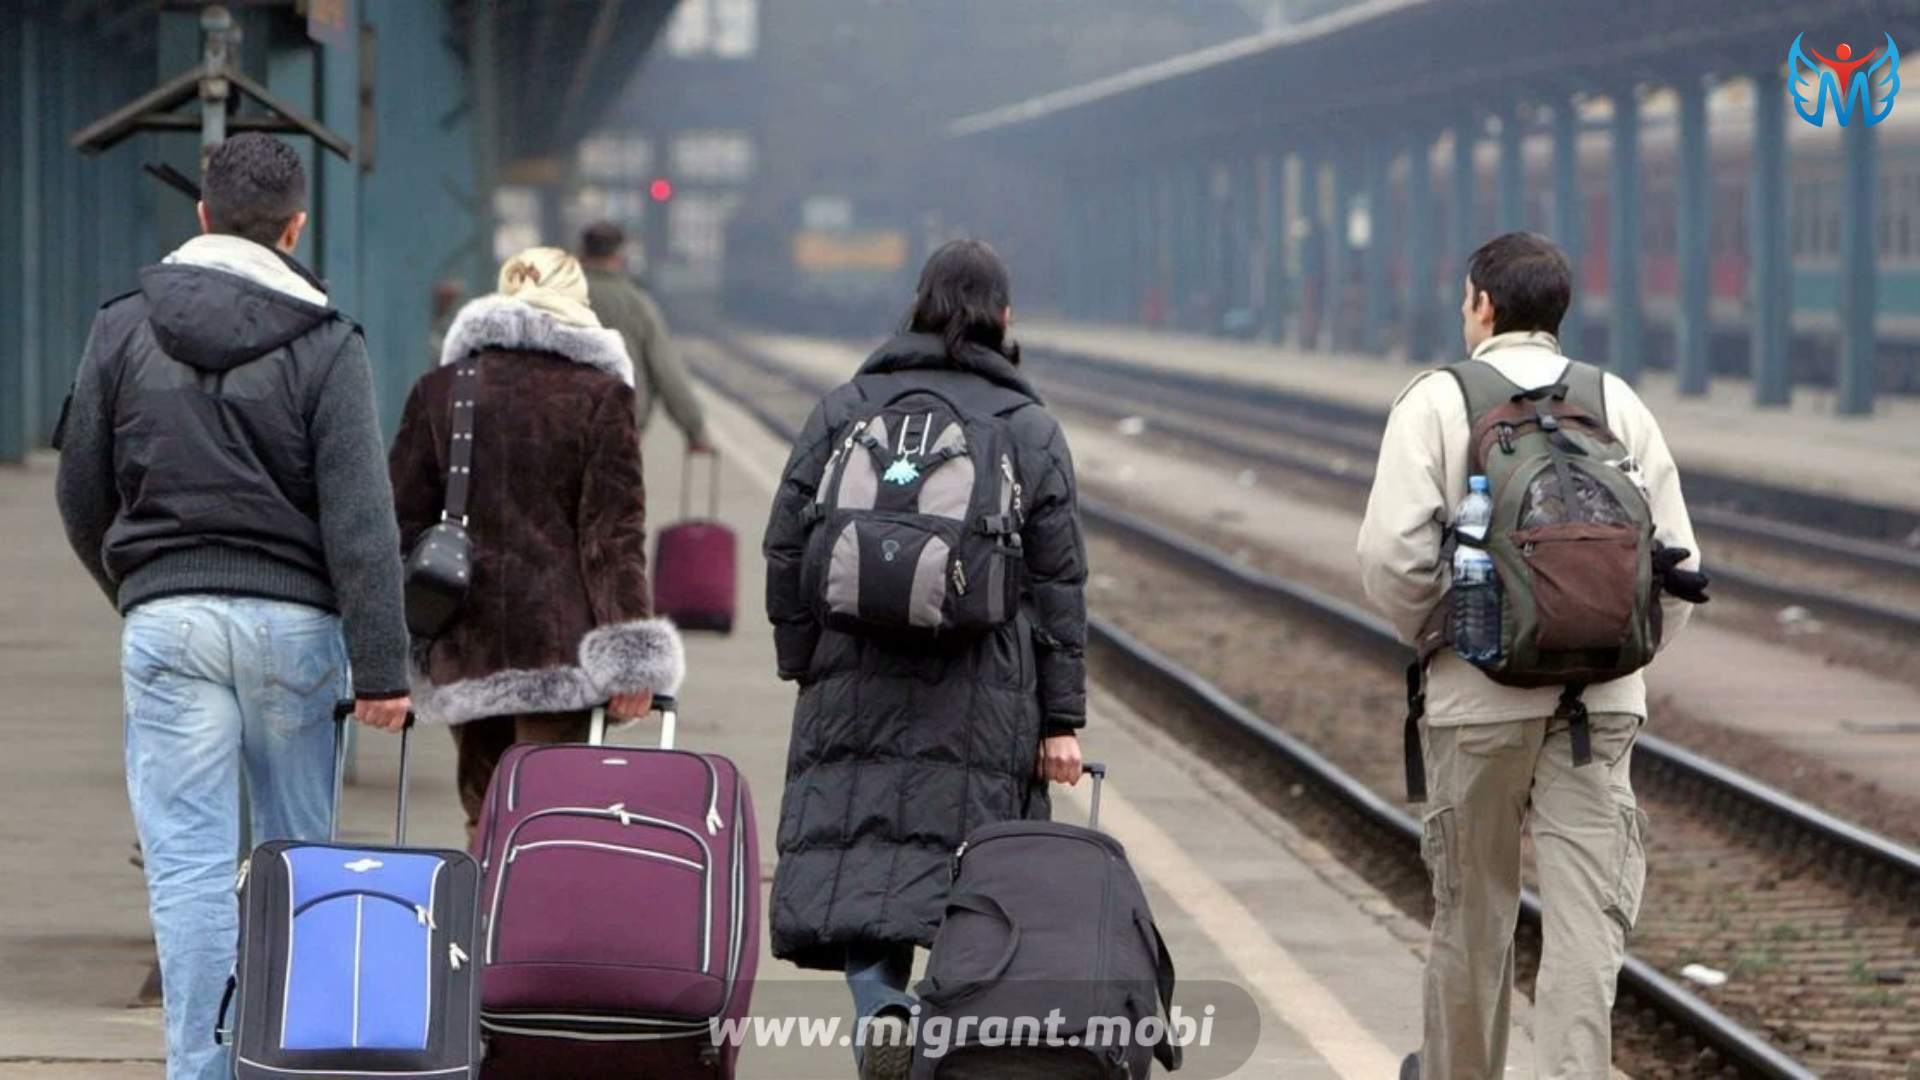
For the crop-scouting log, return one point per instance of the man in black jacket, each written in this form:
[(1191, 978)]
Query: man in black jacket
[(222, 476)]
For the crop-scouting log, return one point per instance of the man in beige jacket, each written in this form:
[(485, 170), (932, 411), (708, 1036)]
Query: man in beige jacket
[(1496, 758)]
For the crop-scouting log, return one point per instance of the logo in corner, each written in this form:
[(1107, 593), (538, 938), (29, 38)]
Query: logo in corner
[(1866, 85)]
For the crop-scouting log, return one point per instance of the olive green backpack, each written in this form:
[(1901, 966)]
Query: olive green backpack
[(1571, 540)]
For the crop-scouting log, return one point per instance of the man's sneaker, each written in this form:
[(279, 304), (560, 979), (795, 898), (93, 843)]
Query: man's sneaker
[(889, 1054), (1410, 1067)]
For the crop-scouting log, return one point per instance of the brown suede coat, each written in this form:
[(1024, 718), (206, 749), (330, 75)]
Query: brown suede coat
[(558, 616)]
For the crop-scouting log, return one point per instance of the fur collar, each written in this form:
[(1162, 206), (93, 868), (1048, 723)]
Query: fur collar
[(501, 322)]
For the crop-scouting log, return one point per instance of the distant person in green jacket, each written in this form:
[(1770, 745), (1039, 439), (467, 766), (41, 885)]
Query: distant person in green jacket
[(623, 305)]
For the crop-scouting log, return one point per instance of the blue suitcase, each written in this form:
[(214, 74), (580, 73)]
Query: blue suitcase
[(356, 961)]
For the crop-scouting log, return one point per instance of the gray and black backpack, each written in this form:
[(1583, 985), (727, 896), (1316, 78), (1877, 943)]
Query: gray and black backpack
[(917, 518)]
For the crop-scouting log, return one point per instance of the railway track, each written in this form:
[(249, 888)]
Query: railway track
[(1337, 444), (1724, 819)]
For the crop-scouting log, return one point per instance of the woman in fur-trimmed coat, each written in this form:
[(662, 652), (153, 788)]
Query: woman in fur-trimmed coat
[(558, 618)]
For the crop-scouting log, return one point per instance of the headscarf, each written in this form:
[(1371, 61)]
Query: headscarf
[(549, 279)]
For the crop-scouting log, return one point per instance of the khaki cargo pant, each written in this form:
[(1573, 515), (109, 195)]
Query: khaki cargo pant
[(1486, 783)]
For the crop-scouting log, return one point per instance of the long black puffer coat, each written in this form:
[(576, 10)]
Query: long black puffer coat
[(898, 753)]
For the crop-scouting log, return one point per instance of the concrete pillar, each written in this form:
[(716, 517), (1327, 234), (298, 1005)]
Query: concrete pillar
[(1512, 184), (1693, 327), (1422, 304), (1859, 257), (1626, 327), (1769, 280), (1274, 232), (1377, 305), (1568, 223)]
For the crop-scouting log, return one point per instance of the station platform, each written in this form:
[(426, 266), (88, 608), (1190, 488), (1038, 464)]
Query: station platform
[(1849, 719), (1804, 447), (1245, 902)]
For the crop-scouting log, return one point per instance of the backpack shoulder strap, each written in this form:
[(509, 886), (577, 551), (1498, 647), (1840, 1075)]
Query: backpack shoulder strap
[(1483, 386), (1587, 387)]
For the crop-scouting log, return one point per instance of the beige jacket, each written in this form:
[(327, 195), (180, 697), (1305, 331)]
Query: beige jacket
[(1422, 475)]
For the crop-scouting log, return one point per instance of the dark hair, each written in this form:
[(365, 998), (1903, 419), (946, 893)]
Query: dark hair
[(1527, 279), (602, 240), (253, 187), (963, 296)]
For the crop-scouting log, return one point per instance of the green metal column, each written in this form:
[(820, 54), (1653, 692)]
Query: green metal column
[(1568, 230), (1145, 245), (337, 182), (19, 216), (1274, 232), (1376, 305), (1166, 240), (1339, 293), (1193, 238), (1693, 327), (1625, 328), (418, 209), (1247, 270), (1859, 256), (1310, 234), (1769, 281), (1513, 207), (1460, 226), (71, 260), (1422, 304)]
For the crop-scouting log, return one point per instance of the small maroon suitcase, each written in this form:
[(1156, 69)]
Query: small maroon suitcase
[(694, 564), (620, 910)]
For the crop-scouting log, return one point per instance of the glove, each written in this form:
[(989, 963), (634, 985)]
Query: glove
[(1688, 585)]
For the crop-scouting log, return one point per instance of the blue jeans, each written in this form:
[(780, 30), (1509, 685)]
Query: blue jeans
[(215, 684), (878, 974)]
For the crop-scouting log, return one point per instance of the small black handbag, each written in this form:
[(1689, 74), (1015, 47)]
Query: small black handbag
[(440, 566)]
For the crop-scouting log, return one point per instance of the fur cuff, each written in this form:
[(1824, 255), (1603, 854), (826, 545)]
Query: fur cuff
[(624, 658), (500, 322), (629, 657)]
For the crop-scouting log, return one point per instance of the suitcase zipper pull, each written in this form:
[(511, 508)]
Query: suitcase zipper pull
[(714, 821), (425, 916), (619, 810), (456, 956), (958, 854), (240, 879)]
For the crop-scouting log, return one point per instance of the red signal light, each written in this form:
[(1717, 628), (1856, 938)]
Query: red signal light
[(660, 190)]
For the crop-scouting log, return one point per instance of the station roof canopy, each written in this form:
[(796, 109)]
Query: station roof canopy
[(1414, 65), (558, 65)]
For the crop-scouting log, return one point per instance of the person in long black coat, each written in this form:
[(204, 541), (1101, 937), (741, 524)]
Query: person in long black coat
[(899, 750)]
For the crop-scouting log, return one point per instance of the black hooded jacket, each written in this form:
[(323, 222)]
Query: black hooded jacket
[(221, 438), (897, 754)]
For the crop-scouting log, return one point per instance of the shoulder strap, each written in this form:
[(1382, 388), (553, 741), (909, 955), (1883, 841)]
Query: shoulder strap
[(1483, 386), (957, 388), (1587, 387), (460, 448)]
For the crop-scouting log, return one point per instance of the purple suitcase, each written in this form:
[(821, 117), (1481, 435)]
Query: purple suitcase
[(620, 910), (695, 564)]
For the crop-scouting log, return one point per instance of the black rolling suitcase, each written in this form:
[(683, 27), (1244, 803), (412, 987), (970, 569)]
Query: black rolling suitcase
[(356, 961), (1047, 917)]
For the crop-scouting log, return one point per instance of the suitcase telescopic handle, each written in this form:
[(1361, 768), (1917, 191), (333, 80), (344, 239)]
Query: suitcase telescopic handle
[(713, 484), (1098, 771), (342, 710), (664, 704)]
